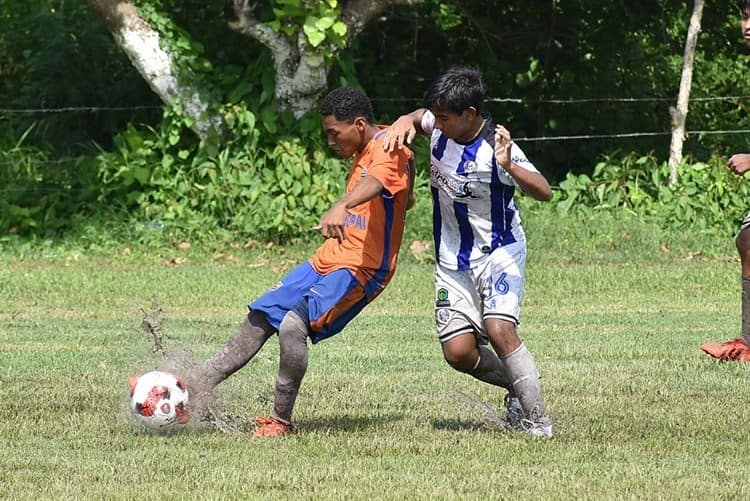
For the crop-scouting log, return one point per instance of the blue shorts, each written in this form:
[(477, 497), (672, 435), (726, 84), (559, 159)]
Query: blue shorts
[(326, 302)]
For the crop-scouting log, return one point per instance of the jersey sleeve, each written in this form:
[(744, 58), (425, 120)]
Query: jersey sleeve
[(518, 157), (389, 167), (428, 122)]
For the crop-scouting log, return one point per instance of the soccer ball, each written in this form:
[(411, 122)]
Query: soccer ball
[(159, 400)]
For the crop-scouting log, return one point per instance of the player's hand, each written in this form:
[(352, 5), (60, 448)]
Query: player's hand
[(332, 224), (739, 163), (401, 132), (503, 143)]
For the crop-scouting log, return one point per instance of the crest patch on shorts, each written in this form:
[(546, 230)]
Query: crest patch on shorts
[(442, 316), (442, 298)]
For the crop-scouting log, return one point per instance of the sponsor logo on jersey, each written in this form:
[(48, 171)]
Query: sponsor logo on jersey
[(356, 220), (364, 173), (454, 187), (277, 286), (519, 160), (442, 298)]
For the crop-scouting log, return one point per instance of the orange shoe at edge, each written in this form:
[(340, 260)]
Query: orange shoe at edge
[(271, 427), (736, 349)]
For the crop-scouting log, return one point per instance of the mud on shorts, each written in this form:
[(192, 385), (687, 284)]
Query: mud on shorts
[(492, 289)]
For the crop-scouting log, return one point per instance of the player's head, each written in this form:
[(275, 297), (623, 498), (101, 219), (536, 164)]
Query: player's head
[(455, 98), (347, 116), (744, 6)]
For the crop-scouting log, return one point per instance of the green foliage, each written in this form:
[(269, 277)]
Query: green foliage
[(320, 21), (707, 197), (38, 194), (59, 54), (248, 185)]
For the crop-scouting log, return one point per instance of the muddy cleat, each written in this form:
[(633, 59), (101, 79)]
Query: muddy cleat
[(541, 428), (271, 427), (537, 424), (513, 412), (736, 349)]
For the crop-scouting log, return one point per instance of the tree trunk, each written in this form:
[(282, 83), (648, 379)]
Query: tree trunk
[(301, 69), (679, 114), (153, 61)]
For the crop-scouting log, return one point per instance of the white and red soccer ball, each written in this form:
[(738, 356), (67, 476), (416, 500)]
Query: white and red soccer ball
[(159, 400)]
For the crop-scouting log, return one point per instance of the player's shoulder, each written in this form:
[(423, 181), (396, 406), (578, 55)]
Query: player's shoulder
[(376, 150)]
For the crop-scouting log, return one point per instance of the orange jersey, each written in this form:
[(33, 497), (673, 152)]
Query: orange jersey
[(373, 228)]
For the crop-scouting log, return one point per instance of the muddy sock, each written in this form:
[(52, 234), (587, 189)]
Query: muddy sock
[(293, 333), (746, 309), (521, 371), (249, 339), (489, 369)]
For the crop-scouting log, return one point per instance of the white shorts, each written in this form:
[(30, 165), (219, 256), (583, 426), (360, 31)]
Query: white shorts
[(493, 289), (745, 222)]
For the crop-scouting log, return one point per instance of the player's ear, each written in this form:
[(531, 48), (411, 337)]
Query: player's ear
[(471, 112), (360, 123)]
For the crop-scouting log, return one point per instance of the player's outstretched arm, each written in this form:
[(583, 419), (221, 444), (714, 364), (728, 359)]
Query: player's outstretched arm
[(332, 224), (533, 183), (403, 130), (411, 200), (739, 163)]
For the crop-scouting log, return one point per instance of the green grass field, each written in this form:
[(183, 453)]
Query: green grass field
[(614, 324)]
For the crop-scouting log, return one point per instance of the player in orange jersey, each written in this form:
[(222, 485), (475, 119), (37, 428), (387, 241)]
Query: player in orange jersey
[(317, 299), (739, 349)]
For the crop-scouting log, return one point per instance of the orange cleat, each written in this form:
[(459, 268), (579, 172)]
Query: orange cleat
[(271, 427), (736, 349)]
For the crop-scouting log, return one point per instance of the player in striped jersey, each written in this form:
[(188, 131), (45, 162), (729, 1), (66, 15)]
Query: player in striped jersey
[(480, 244), (351, 268)]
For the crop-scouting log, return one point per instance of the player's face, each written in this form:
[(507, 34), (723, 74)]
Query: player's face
[(459, 127), (345, 138), (745, 25)]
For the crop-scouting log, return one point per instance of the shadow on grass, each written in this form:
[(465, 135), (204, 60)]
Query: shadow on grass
[(459, 425), (336, 424)]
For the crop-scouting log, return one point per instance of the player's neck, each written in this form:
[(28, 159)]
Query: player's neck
[(473, 131), (367, 136)]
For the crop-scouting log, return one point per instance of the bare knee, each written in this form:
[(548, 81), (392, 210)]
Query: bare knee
[(461, 352), (503, 336), (743, 248), (743, 241)]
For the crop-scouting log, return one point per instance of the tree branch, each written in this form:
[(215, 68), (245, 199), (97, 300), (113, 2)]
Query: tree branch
[(156, 63), (357, 13)]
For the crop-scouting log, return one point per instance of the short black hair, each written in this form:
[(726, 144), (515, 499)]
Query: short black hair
[(456, 90), (346, 104), (743, 4)]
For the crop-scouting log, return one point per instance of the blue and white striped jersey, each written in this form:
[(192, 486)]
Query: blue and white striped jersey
[(473, 208)]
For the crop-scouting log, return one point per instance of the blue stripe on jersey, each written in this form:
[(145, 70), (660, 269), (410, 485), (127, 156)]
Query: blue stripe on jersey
[(437, 221), (502, 216), (439, 150), (467, 236), (468, 155), (510, 213), (375, 284)]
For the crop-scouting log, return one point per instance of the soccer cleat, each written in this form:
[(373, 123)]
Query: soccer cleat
[(736, 349), (271, 427), (513, 412), (541, 428)]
